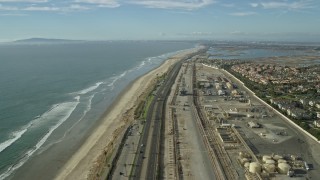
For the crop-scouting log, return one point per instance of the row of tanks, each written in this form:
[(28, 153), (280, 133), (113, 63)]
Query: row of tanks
[(268, 165)]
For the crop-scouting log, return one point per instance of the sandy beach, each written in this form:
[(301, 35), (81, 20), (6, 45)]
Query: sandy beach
[(113, 123)]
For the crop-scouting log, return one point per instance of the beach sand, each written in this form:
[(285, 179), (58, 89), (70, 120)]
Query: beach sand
[(85, 160)]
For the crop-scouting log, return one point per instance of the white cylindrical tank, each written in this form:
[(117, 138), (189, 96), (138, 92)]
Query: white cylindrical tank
[(246, 165), (293, 157), (241, 155), (244, 160), (255, 167), (244, 155), (270, 168), (265, 158), (277, 157), (282, 161), (283, 168), (270, 161)]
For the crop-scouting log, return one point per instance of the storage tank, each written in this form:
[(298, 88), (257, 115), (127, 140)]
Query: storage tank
[(265, 158), (294, 157), (244, 160), (270, 168), (270, 161), (282, 161), (244, 155), (277, 157), (241, 154), (254, 167), (246, 165), (283, 168)]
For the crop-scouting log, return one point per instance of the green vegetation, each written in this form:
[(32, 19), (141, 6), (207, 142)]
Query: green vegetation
[(147, 105), (139, 109), (143, 106)]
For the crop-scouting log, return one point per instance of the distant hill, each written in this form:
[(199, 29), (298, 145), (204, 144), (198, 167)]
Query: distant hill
[(44, 41)]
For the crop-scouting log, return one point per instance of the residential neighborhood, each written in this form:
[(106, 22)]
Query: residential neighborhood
[(294, 90)]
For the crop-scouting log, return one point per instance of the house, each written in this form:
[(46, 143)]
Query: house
[(304, 101), (312, 103), (252, 124), (234, 92), (221, 93), (229, 85), (207, 85), (285, 106), (316, 123), (298, 113)]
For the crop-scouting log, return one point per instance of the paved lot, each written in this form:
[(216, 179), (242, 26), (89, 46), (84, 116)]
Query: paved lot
[(275, 136), (126, 159)]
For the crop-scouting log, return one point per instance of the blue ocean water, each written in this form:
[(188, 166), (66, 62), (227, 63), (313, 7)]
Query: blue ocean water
[(48, 89)]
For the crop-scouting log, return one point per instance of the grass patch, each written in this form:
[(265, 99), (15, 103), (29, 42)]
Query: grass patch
[(147, 105), (138, 111)]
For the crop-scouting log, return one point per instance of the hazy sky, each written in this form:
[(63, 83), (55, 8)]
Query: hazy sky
[(295, 20)]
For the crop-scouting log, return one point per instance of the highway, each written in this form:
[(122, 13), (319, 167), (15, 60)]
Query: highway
[(148, 160)]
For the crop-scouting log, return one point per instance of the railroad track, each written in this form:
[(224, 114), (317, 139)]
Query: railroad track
[(154, 129), (224, 164)]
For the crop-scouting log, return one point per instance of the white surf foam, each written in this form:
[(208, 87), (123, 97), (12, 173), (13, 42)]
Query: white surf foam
[(155, 59), (116, 78), (14, 137), (146, 62), (63, 111), (89, 89), (88, 108)]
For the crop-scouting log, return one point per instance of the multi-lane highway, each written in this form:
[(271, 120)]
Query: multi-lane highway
[(148, 160)]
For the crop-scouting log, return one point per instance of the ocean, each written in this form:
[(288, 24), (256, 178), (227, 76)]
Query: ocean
[(52, 94)]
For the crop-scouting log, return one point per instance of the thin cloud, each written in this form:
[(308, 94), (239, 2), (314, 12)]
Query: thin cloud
[(101, 3), (197, 33), (228, 5), (44, 8), (295, 5), (8, 14), (243, 14), (179, 4), (254, 4), (8, 8), (82, 5), (78, 7), (25, 1)]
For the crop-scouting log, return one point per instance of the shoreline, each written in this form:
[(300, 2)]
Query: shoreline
[(112, 123)]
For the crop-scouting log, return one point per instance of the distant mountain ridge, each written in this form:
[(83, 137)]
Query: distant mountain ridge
[(45, 40)]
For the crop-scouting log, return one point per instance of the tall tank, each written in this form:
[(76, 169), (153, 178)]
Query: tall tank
[(241, 154), (282, 161), (283, 168), (270, 161), (265, 158), (270, 168), (244, 160), (255, 167), (246, 165), (277, 157), (244, 155)]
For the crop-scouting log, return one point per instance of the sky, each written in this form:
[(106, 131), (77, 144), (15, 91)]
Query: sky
[(253, 20)]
